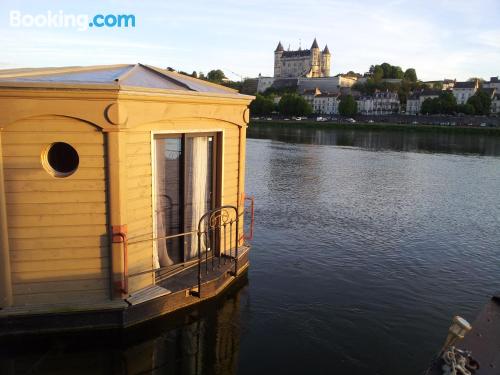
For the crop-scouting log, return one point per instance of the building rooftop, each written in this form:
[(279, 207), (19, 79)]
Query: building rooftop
[(465, 85), (298, 53), (279, 48), (136, 77)]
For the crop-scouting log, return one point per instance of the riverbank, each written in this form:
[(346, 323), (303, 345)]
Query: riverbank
[(377, 126)]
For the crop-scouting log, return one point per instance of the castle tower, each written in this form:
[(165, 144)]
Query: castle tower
[(325, 62), (278, 52), (315, 60)]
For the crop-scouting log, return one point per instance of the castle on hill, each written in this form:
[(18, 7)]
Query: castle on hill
[(310, 63)]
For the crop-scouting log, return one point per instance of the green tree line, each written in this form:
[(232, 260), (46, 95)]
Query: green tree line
[(446, 103)]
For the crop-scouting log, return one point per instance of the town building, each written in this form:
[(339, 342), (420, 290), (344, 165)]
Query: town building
[(445, 84), (309, 95), (415, 100), (326, 103), (365, 104), (464, 90), (384, 103), (494, 82), (495, 104), (302, 63)]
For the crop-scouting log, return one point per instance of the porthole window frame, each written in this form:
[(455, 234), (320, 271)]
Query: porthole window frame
[(53, 171)]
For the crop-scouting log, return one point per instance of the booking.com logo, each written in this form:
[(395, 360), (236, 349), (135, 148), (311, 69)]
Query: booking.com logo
[(81, 22)]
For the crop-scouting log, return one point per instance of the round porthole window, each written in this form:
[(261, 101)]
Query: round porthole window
[(60, 159)]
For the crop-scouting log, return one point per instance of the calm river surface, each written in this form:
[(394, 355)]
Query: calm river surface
[(366, 244)]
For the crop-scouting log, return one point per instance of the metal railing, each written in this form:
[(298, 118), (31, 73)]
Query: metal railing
[(217, 242), (212, 236)]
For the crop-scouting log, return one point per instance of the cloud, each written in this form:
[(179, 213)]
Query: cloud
[(452, 38)]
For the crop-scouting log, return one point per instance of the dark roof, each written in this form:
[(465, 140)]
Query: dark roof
[(326, 51), (279, 48), (431, 92), (112, 77), (315, 44), (299, 53), (465, 85), (328, 94)]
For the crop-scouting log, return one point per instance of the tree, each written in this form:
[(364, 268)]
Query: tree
[(410, 75), (294, 105), (396, 72), (261, 105), (387, 68), (467, 109), (448, 102), (431, 106), (481, 102), (348, 106), (194, 75), (473, 79), (378, 73), (216, 76)]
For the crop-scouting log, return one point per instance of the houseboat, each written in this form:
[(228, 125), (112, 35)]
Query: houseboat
[(121, 195)]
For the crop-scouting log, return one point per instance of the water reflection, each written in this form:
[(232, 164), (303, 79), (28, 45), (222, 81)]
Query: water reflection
[(430, 140), (203, 340)]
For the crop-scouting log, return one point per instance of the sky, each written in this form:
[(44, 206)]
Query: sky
[(439, 38)]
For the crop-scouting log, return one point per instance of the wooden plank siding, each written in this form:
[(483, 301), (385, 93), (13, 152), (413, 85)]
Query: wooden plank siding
[(139, 208), (57, 226)]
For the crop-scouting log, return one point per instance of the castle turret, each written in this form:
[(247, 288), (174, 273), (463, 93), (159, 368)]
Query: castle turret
[(315, 60), (325, 62), (278, 52)]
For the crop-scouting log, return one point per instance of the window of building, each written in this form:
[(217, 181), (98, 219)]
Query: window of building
[(60, 159)]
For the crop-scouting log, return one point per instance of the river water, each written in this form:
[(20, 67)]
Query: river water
[(366, 244)]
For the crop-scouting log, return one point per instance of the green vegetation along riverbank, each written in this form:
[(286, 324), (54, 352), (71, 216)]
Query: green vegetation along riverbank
[(374, 126)]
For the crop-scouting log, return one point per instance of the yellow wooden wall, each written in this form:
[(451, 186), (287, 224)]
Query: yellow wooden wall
[(139, 207), (139, 170), (57, 226)]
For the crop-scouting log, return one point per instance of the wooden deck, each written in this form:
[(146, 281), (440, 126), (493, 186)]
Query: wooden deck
[(167, 296)]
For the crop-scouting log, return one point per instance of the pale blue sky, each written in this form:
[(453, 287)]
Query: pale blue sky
[(439, 38)]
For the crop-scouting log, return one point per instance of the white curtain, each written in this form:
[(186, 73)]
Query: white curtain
[(161, 257), (196, 189)]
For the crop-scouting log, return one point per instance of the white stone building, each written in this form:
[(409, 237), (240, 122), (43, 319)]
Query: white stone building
[(323, 103), (495, 105), (326, 104), (464, 90), (309, 95), (302, 63), (380, 103), (414, 101), (365, 104)]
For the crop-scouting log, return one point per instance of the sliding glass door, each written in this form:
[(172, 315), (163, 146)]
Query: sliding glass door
[(186, 183)]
